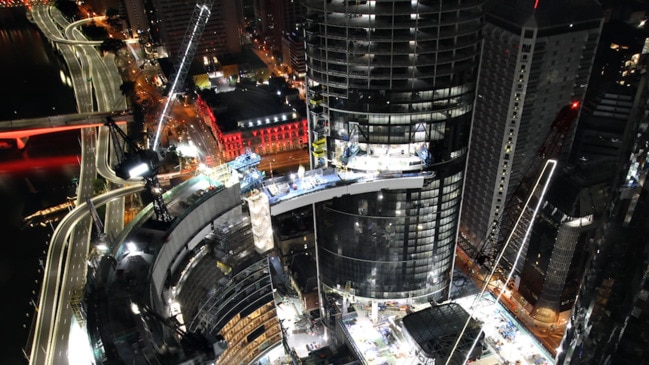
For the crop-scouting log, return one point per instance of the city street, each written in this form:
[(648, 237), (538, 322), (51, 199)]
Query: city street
[(287, 161), (550, 335), (270, 62)]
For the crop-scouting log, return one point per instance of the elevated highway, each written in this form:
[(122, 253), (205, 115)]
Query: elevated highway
[(17, 132), (23, 128), (66, 267), (59, 279)]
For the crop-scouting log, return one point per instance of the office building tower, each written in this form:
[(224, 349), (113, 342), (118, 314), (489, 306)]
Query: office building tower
[(609, 319), (221, 34), (606, 129), (135, 13), (293, 54), (607, 118), (555, 260), (535, 63), (261, 16), (390, 89), (287, 17), (274, 20), (579, 198)]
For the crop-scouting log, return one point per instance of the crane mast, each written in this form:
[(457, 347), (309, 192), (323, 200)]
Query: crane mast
[(189, 44), (138, 162), (549, 150), (519, 213), (99, 225)]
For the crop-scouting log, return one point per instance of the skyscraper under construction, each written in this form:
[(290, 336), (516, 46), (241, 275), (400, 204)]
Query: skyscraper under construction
[(390, 88)]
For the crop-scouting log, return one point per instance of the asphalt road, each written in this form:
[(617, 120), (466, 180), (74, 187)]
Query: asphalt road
[(287, 161)]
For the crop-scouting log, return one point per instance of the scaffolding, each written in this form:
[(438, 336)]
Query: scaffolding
[(77, 303)]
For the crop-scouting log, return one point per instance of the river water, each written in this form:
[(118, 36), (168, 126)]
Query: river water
[(34, 78), (33, 84)]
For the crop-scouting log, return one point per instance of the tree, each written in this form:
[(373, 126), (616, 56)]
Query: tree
[(99, 186), (93, 31), (112, 45), (113, 19), (112, 13), (138, 125), (69, 8), (127, 88)]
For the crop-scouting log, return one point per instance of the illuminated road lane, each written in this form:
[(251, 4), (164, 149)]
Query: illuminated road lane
[(53, 280), (55, 317)]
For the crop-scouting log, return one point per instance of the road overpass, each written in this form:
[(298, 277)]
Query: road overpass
[(21, 129), (57, 277)]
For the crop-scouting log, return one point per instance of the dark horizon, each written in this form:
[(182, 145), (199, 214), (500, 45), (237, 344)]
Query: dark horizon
[(34, 87)]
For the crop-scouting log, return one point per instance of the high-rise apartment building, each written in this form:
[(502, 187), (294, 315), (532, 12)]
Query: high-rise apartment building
[(221, 34), (537, 58), (391, 88)]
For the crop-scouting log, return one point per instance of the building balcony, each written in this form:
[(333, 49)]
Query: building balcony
[(405, 7)]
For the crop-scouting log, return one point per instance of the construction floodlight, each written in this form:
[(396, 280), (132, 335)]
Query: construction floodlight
[(138, 170)]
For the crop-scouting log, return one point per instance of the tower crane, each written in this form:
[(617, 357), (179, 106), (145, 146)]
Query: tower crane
[(189, 44), (102, 238), (519, 213), (549, 150), (136, 162)]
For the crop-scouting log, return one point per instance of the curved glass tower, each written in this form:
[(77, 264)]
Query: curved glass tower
[(390, 88)]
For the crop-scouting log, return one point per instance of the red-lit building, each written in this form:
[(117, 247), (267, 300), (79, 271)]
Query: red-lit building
[(261, 118), (266, 135)]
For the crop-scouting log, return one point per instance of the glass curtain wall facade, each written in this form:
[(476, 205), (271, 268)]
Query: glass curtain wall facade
[(390, 88)]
